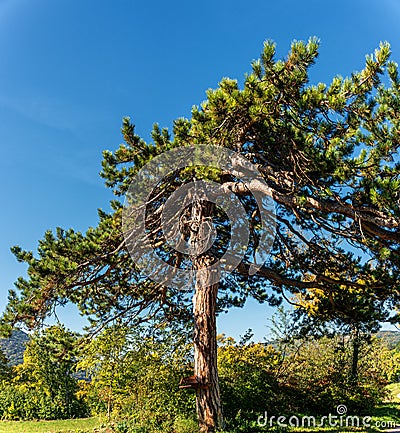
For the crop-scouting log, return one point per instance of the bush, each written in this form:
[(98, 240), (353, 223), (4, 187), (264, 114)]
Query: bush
[(138, 377), (18, 403), (247, 378), (318, 373), (309, 376)]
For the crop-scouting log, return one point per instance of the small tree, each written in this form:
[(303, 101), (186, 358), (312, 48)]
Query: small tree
[(135, 373), (104, 360), (355, 313), (49, 362)]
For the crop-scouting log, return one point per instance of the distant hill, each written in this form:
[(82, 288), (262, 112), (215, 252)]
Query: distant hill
[(14, 347), (392, 338)]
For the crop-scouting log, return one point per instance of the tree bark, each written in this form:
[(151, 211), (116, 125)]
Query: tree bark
[(355, 356), (208, 401)]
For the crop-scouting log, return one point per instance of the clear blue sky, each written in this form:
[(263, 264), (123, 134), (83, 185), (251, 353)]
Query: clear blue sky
[(70, 70)]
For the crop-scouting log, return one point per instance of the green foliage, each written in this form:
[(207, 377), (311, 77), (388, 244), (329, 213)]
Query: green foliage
[(19, 403), (144, 368), (307, 375), (317, 372), (186, 425), (136, 374), (42, 387), (329, 154), (105, 361), (248, 378)]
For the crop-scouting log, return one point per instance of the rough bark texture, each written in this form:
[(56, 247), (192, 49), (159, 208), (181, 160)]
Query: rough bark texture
[(208, 401)]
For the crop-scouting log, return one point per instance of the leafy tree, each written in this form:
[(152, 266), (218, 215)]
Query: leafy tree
[(351, 312), (49, 362), (328, 155), (318, 374), (135, 373), (103, 360)]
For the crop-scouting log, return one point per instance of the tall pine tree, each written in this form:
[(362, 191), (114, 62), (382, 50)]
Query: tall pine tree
[(328, 156)]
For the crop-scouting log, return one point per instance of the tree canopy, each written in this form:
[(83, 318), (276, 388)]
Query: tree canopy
[(329, 157)]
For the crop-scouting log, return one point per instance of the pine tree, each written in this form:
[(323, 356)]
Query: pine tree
[(328, 157)]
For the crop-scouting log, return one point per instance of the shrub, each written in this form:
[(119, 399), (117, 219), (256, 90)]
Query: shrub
[(247, 378)]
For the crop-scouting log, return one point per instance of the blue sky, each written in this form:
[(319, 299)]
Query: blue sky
[(72, 69)]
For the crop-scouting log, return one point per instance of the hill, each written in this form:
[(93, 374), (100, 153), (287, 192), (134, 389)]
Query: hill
[(14, 346), (392, 338)]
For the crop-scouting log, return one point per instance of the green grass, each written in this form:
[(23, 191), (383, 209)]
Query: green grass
[(382, 417), (58, 426), (388, 412)]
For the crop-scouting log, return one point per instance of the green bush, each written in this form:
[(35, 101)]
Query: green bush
[(138, 377), (319, 375), (309, 376), (17, 403), (247, 378)]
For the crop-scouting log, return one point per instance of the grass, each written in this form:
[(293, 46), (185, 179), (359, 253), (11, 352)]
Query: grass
[(385, 415), (381, 417), (58, 426)]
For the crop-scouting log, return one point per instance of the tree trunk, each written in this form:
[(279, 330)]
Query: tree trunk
[(109, 403), (355, 355), (208, 401)]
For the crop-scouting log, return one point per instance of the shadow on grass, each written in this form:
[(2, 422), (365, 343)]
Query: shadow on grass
[(387, 411)]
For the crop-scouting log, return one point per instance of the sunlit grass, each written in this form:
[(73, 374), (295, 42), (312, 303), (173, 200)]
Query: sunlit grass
[(387, 413), (58, 426)]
